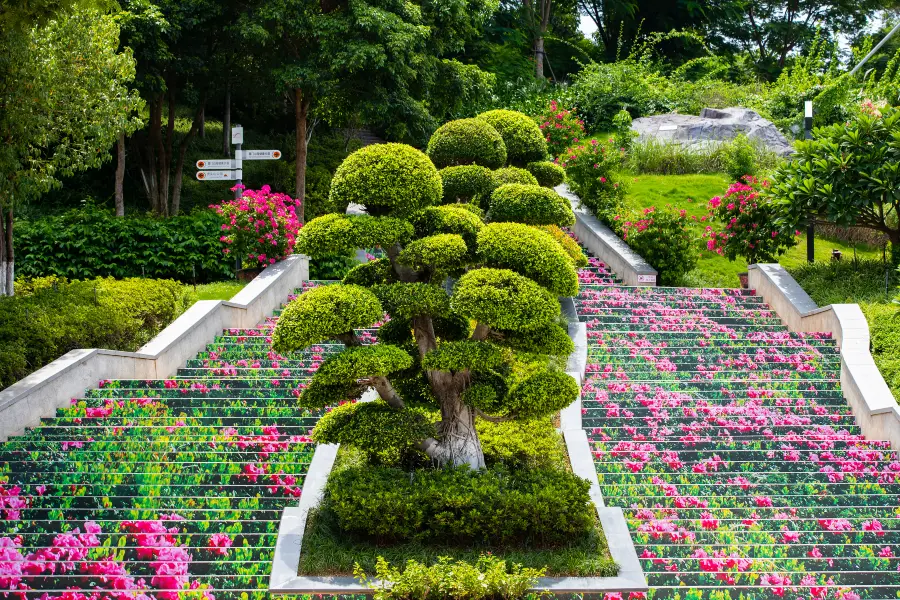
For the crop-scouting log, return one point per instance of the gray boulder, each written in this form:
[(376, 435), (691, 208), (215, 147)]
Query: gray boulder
[(712, 127)]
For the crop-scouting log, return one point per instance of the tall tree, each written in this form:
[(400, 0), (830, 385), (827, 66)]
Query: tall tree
[(64, 98)]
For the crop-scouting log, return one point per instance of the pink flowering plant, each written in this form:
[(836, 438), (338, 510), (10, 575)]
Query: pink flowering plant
[(260, 227), (562, 128), (662, 237), (754, 227), (592, 170)]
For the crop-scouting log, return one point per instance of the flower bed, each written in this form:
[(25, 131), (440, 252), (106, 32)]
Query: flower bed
[(727, 441)]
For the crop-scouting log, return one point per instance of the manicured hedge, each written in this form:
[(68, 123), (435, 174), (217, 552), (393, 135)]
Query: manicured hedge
[(91, 242), (51, 316)]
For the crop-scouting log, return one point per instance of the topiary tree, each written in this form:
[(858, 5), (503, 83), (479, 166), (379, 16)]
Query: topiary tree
[(547, 174), (474, 321), (523, 138), (513, 175), (467, 142), (466, 183)]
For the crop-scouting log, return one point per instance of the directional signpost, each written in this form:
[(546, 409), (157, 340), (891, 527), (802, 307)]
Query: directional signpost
[(217, 169)]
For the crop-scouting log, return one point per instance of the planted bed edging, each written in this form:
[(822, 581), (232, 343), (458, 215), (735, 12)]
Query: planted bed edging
[(862, 384), (285, 579), (53, 386), (607, 246)]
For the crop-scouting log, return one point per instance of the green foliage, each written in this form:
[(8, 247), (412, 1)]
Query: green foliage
[(670, 158), (529, 252), (322, 395), (452, 218), (503, 299), (523, 138), (576, 254), (512, 175), (370, 273), (382, 432), (740, 158), (51, 316), (847, 281), (592, 170), (338, 233), (363, 362), (408, 300), (462, 355), (331, 267), (388, 179), (603, 89), (663, 238), (536, 390), (847, 174), (91, 242), (547, 174), (460, 505), (490, 577), (464, 183), (530, 204), (531, 444), (440, 253), (322, 314), (623, 134), (551, 340), (467, 142)]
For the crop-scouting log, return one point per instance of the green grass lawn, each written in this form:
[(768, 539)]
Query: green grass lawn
[(221, 290), (691, 193)]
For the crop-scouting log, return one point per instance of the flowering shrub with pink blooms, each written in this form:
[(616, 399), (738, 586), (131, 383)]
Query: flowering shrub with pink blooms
[(260, 227), (592, 170), (562, 128), (754, 227), (662, 237)]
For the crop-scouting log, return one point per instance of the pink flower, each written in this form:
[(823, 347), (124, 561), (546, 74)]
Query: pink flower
[(219, 543)]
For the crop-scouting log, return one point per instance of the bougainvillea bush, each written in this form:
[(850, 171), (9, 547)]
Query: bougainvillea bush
[(260, 227), (662, 237), (562, 128), (754, 227), (592, 169)]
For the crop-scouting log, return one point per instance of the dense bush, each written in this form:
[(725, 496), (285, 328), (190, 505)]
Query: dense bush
[(523, 138), (91, 242), (530, 204), (530, 444), (663, 238), (51, 316), (562, 128), (740, 158), (465, 183), (260, 227), (592, 170), (331, 267), (547, 174), (460, 505), (603, 89), (754, 227), (513, 175), (467, 142)]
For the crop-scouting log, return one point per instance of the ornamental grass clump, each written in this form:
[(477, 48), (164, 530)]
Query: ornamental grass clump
[(260, 227), (754, 227), (473, 310)]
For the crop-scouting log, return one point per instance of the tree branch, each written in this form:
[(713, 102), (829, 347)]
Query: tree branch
[(490, 419), (349, 339), (481, 332), (387, 392)]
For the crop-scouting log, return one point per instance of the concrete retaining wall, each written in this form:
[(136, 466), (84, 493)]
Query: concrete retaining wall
[(607, 246), (864, 387), (38, 395)]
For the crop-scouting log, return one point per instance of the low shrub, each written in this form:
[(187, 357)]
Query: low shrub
[(663, 238), (489, 577), (459, 505), (740, 158), (467, 142), (562, 128), (513, 175), (522, 445), (547, 174), (260, 227), (531, 204), (592, 170), (466, 183), (839, 282), (755, 228), (91, 242), (523, 138), (51, 316)]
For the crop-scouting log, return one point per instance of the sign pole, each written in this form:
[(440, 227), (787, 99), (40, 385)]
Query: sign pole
[(237, 155)]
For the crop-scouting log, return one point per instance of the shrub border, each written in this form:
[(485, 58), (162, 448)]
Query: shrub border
[(607, 246), (862, 384), (286, 560), (38, 395)]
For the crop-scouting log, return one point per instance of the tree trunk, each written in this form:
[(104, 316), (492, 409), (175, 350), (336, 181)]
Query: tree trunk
[(10, 255), (459, 444), (539, 58), (179, 165), (2, 257), (301, 113), (226, 125), (120, 175), (202, 130), (152, 157)]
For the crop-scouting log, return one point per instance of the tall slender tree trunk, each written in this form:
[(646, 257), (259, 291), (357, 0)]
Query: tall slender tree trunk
[(150, 169), (226, 125), (539, 58), (202, 130), (2, 255), (179, 165), (120, 175), (10, 270), (543, 24), (301, 114)]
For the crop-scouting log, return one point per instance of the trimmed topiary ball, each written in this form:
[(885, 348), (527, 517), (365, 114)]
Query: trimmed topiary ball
[(523, 138), (547, 174), (503, 299), (467, 142), (512, 175), (388, 179), (530, 204), (466, 182)]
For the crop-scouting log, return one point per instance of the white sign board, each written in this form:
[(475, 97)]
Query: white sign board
[(261, 154), (646, 278), (215, 163), (668, 127), (219, 175), (237, 135)]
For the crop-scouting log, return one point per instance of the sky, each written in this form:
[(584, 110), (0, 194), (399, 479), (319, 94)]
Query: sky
[(587, 26)]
